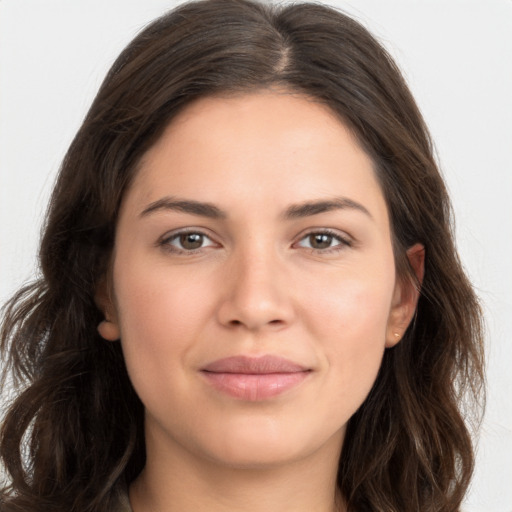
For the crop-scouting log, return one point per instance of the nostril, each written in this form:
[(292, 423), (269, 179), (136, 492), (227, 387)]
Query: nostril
[(236, 323)]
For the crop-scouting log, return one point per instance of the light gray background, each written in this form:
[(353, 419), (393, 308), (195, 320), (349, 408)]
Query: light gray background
[(457, 58)]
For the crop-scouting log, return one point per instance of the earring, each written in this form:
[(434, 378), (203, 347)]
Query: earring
[(108, 331), (397, 336)]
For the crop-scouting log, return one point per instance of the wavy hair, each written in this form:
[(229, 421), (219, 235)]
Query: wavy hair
[(74, 433)]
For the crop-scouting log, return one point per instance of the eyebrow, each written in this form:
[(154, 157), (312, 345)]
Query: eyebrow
[(186, 206), (296, 211), (309, 208)]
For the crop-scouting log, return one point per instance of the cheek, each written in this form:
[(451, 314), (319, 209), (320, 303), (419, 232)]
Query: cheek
[(350, 324), (159, 317), (352, 306), (155, 297)]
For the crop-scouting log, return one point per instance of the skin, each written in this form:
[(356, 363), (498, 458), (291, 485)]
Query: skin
[(258, 284)]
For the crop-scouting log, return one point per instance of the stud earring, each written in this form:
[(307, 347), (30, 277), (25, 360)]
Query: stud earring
[(397, 335)]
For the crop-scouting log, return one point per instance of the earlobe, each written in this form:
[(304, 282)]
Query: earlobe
[(405, 298), (108, 329)]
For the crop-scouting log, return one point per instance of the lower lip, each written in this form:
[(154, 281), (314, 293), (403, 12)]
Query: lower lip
[(254, 387)]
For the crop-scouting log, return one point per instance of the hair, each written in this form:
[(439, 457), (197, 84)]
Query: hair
[(74, 434)]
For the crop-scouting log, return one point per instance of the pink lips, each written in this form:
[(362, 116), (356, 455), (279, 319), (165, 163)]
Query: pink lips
[(254, 378)]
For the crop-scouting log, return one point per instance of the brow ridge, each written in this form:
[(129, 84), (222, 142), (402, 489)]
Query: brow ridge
[(186, 206), (296, 211), (310, 208)]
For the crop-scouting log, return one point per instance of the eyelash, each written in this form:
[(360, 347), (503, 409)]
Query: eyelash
[(343, 242), (165, 242)]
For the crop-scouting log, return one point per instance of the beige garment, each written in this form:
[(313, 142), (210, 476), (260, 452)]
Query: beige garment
[(122, 503)]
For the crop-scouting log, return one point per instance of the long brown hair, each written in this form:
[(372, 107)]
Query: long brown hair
[(74, 433)]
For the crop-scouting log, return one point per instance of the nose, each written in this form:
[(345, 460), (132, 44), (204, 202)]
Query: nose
[(256, 292)]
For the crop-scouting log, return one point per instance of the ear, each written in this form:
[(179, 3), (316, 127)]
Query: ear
[(108, 329), (405, 297)]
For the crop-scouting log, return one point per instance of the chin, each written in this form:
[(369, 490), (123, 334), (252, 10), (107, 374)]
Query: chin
[(257, 456), (265, 444)]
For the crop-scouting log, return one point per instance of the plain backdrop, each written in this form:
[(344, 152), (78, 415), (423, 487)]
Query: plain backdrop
[(457, 58)]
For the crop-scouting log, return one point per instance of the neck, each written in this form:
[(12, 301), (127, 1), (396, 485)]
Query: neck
[(178, 481)]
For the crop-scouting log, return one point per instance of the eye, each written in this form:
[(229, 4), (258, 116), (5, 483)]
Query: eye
[(323, 241), (187, 241)]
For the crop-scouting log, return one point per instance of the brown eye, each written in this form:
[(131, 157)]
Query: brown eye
[(324, 241), (187, 242), (320, 241), (191, 241)]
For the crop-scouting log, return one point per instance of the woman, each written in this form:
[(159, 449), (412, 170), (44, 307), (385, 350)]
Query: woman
[(250, 298)]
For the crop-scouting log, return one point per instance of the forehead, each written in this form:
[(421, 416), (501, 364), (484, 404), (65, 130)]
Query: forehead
[(252, 147)]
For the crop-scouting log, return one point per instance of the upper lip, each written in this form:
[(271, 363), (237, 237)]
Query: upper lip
[(254, 365)]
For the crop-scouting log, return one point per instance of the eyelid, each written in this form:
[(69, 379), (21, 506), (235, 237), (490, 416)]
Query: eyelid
[(164, 240), (344, 239)]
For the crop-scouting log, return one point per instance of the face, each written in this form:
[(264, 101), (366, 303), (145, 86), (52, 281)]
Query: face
[(254, 281)]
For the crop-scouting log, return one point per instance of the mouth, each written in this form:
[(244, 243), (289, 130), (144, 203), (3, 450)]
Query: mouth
[(254, 378)]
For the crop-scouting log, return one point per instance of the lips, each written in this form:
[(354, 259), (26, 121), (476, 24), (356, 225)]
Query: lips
[(254, 378)]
